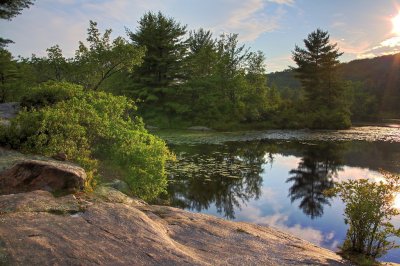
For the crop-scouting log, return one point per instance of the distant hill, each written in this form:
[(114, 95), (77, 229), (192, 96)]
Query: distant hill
[(380, 77)]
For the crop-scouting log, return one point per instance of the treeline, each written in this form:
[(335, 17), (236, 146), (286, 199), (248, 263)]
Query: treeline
[(179, 78), (374, 92)]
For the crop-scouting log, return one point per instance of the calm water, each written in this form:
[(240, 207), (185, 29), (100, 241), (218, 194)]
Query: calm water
[(277, 178)]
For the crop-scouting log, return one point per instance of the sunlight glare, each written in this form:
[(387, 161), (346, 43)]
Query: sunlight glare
[(396, 202), (396, 24)]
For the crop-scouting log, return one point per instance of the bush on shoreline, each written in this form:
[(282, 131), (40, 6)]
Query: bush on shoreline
[(90, 128)]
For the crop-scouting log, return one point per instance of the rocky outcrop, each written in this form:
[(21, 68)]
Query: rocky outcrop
[(19, 173), (8, 111), (109, 228)]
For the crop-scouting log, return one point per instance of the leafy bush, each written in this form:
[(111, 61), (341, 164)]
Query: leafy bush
[(92, 128), (50, 93), (369, 209)]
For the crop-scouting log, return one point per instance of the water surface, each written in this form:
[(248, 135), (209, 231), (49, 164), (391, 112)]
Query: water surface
[(277, 178)]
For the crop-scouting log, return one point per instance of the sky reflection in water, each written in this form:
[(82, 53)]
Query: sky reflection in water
[(278, 183)]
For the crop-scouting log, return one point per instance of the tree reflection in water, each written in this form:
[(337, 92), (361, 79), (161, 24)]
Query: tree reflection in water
[(314, 174), (226, 176)]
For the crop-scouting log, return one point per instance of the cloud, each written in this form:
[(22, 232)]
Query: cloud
[(386, 47), (351, 47), (279, 220), (283, 2), (64, 22), (252, 18)]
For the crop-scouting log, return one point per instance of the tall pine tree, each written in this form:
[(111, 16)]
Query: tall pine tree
[(162, 38), (324, 92)]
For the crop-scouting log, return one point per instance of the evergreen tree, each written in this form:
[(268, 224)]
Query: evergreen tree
[(317, 71), (202, 54), (11, 8), (162, 38), (8, 73), (8, 10)]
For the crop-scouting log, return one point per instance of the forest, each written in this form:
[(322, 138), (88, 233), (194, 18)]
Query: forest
[(180, 78), (374, 93)]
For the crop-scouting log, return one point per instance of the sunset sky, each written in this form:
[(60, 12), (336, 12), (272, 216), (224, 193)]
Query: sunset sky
[(362, 28)]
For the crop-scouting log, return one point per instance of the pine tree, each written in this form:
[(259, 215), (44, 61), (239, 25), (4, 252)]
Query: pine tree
[(162, 38), (10, 9), (317, 71)]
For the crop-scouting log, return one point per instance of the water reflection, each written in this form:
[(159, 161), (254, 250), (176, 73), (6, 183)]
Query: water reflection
[(227, 177), (278, 182), (314, 174)]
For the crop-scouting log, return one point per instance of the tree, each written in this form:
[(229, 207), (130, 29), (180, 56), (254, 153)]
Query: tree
[(8, 73), (259, 99), (317, 71), (315, 174), (11, 8), (369, 209), (202, 54), (104, 58), (56, 61), (8, 10), (162, 37)]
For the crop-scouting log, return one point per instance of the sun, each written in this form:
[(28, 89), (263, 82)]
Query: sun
[(396, 24), (396, 202)]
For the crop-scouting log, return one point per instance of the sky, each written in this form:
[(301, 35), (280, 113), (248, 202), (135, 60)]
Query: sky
[(362, 28)]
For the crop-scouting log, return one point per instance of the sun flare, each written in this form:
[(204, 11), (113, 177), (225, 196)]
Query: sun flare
[(396, 202), (396, 24)]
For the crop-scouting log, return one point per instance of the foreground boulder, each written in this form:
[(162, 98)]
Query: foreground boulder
[(19, 173), (109, 228)]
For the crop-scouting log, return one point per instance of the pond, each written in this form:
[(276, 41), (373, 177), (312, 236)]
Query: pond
[(277, 178)]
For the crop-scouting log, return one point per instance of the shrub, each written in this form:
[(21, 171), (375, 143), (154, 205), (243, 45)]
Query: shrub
[(92, 128), (369, 209), (50, 93)]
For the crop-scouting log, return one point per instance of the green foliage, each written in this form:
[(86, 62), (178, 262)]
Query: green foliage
[(103, 58), (50, 93), (215, 82), (10, 9), (162, 37), (56, 62), (8, 74), (317, 71), (92, 128), (369, 209)]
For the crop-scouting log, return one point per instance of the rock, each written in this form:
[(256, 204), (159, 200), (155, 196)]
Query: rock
[(199, 128), (38, 201), (121, 186), (60, 156), (115, 232), (9, 110), (109, 194), (29, 175)]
